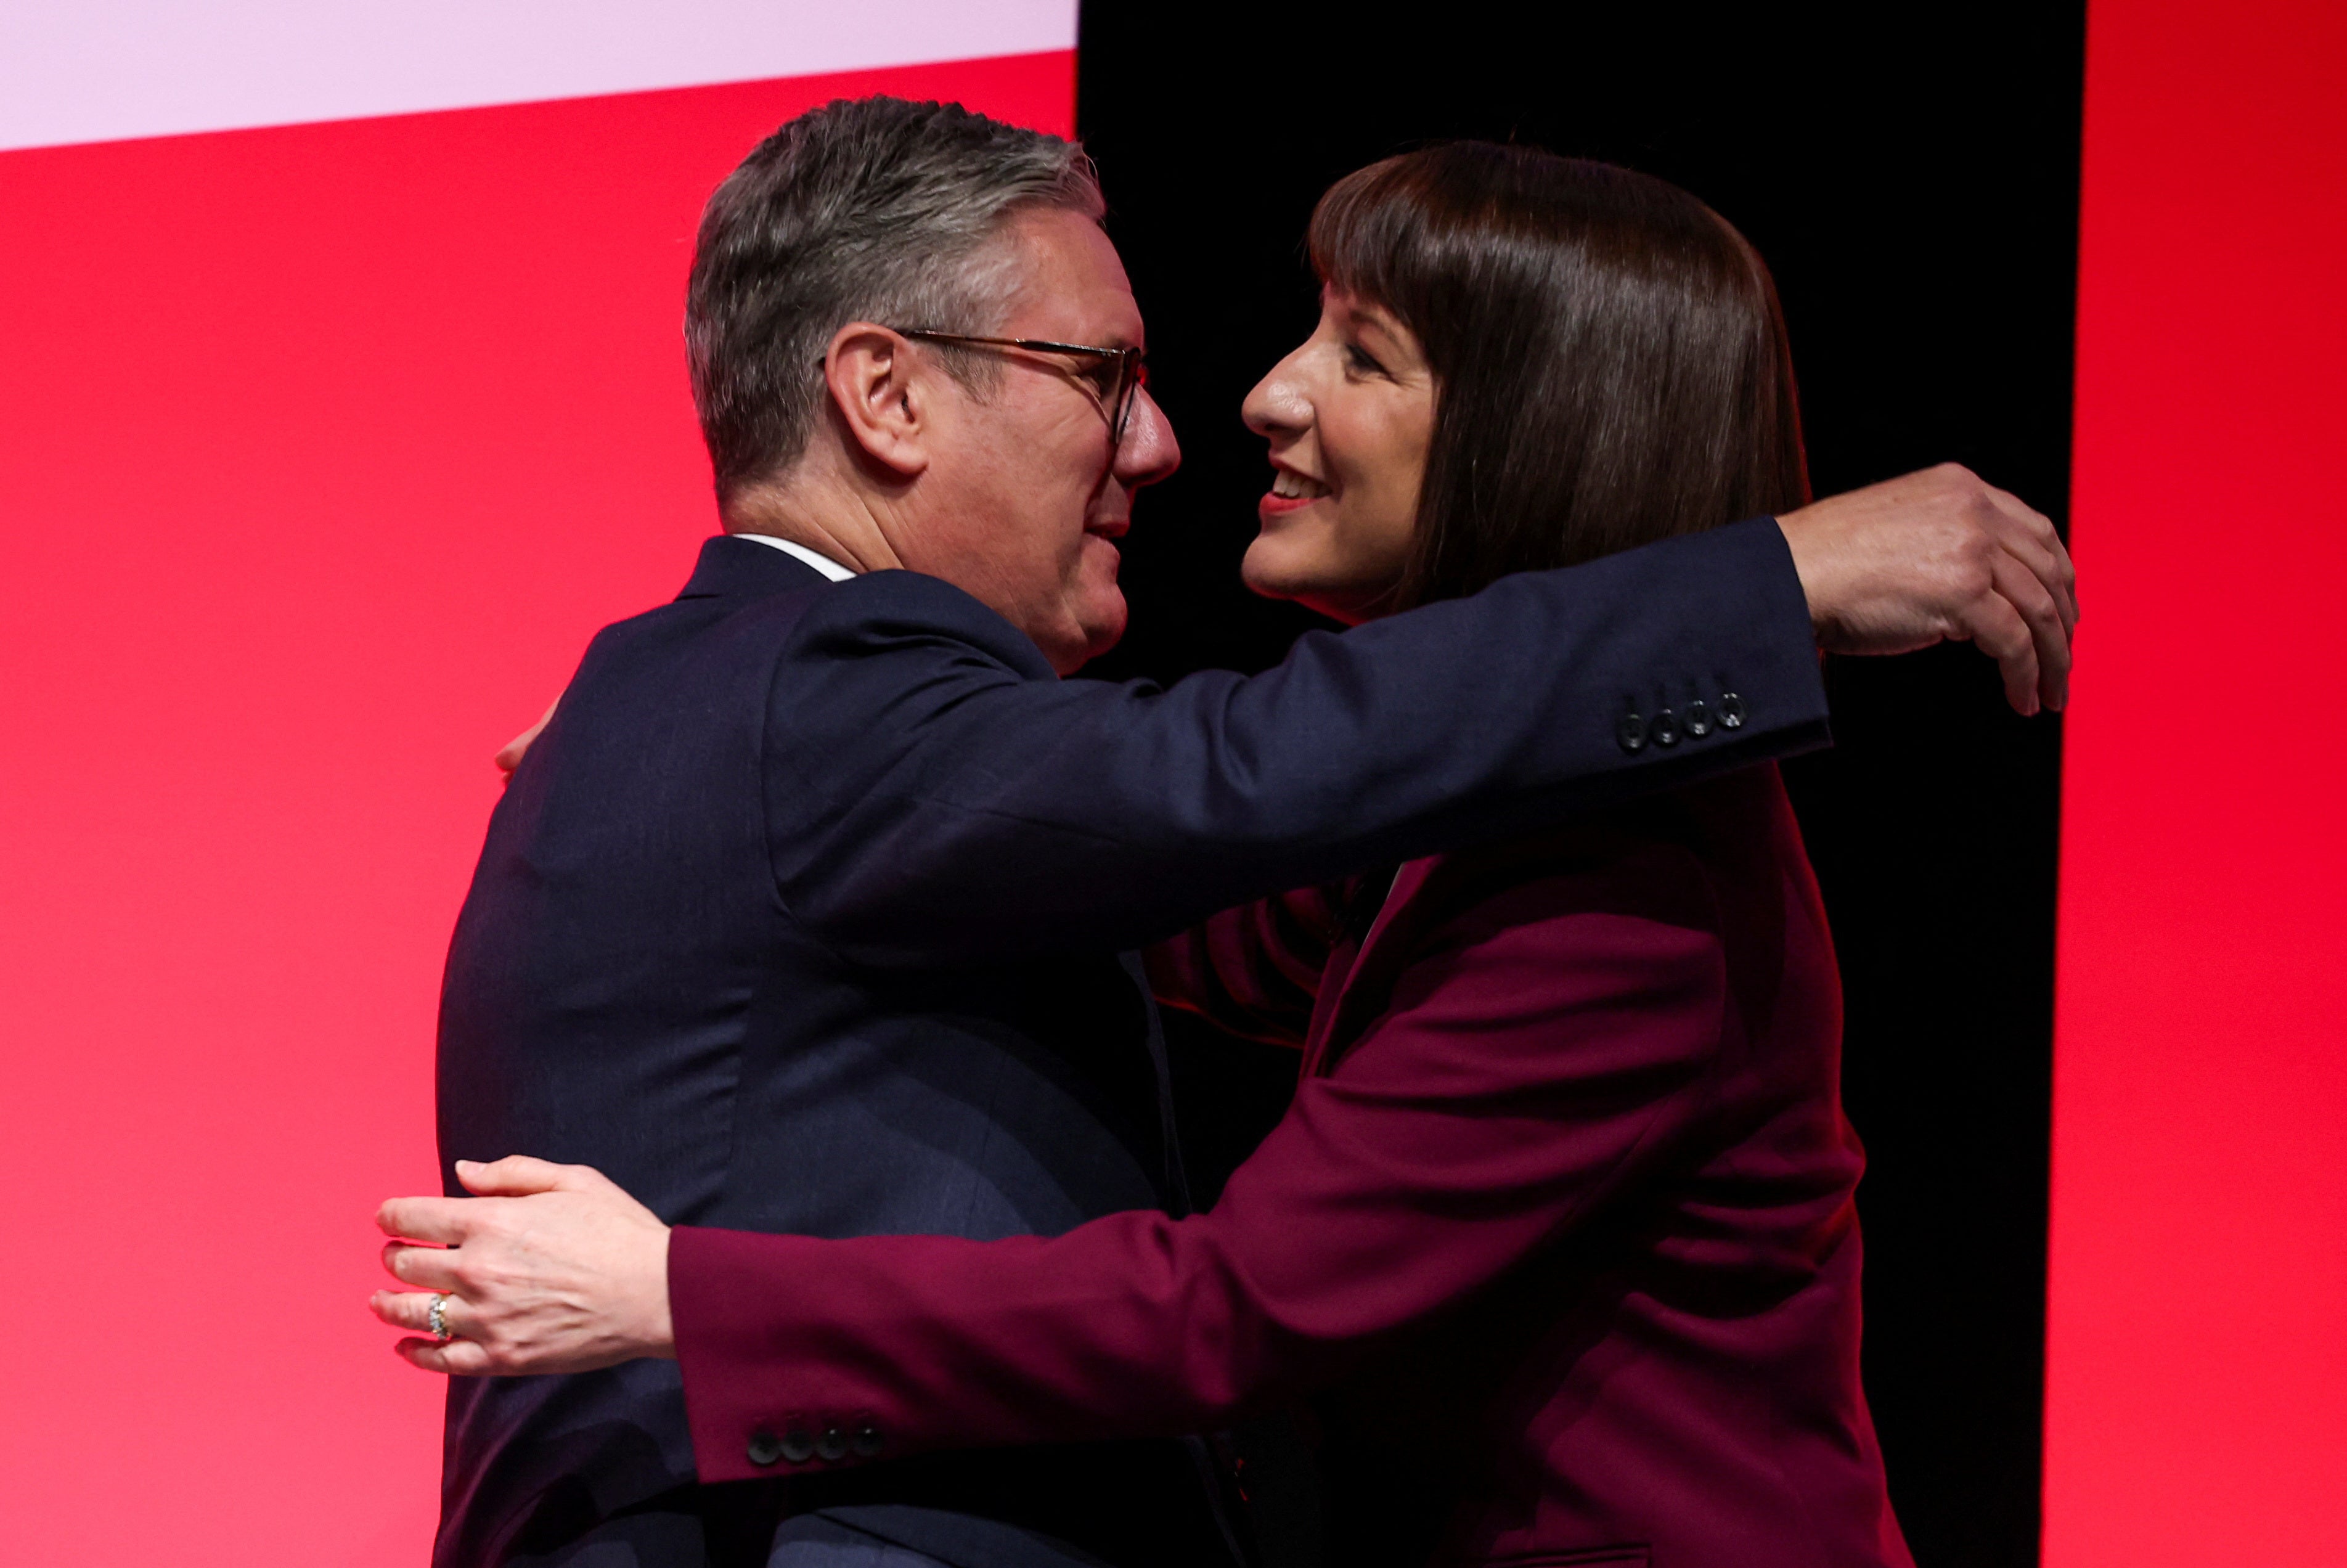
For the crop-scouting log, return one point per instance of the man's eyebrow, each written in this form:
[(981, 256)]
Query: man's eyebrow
[(1105, 342)]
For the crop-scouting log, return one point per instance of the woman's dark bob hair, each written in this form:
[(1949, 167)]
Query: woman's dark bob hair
[(1608, 356)]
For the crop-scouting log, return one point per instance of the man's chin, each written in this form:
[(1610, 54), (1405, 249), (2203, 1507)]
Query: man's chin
[(1105, 615), (1100, 620), (1082, 631)]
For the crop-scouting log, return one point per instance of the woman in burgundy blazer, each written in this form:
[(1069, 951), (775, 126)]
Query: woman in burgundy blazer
[(1559, 1230)]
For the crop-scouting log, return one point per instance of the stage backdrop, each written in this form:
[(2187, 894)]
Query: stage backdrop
[(338, 406), (324, 448)]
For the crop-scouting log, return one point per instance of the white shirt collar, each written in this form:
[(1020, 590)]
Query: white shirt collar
[(823, 563)]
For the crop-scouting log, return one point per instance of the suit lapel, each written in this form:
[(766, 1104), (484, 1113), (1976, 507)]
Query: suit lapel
[(1342, 1011)]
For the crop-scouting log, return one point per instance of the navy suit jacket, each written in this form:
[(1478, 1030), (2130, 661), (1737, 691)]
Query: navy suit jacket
[(808, 911)]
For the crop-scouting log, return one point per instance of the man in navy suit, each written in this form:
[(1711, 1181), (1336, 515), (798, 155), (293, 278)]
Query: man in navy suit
[(805, 912)]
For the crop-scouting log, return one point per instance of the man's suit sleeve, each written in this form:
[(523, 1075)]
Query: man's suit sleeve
[(1534, 1066), (933, 796)]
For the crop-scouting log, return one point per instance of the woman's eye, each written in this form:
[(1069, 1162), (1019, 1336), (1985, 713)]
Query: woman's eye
[(1356, 358)]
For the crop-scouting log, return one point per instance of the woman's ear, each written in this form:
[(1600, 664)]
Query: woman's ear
[(882, 392)]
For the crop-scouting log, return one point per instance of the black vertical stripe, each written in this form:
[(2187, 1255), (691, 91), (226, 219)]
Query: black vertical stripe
[(1911, 173)]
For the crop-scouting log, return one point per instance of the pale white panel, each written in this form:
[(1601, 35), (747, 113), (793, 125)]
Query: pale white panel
[(99, 70)]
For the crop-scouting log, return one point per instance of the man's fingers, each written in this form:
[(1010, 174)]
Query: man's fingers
[(2030, 535), (2035, 603), (448, 1220), (2034, 521), (428, 1267), (1994, 626), (458, 1357), (2033, 574)]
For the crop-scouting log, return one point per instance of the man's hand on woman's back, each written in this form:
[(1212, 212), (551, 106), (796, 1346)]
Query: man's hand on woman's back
[(1936, 557)]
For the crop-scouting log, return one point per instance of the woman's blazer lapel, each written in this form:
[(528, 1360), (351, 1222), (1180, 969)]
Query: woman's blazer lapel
[(1349, 1004)]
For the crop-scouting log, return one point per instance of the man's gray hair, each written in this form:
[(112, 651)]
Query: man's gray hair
[(865, 210)]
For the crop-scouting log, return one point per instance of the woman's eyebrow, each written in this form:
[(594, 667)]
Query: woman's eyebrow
[(1366, 320)]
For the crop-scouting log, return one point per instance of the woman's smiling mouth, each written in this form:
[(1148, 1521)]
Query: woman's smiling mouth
[(1289, 492)]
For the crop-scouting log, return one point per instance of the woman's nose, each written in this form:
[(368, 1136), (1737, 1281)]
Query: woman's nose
[(1278, 405)]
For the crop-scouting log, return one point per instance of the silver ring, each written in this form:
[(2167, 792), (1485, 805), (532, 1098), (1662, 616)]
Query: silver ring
[(438, 1319)]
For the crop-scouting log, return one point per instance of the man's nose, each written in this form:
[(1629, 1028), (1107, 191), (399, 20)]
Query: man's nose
[(1149, 452)]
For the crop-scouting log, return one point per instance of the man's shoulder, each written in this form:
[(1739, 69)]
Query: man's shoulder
[(851, 646), (908, 614), (884, 603), (690, 642)]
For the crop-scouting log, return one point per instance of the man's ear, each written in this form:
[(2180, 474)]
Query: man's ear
[(883, 391)]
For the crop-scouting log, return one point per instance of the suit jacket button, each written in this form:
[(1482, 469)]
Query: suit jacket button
[(1731, 711), (866, 1441), (832, 1445), (798, 1445), (1632, 732), (1698, 719), (765, 1448), (1665, 727)]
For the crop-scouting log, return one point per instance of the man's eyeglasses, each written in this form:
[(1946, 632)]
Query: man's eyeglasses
[(1117, 374)]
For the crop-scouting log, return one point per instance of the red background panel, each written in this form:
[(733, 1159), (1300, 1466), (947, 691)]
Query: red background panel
[(2197, 1320), (323, 450)]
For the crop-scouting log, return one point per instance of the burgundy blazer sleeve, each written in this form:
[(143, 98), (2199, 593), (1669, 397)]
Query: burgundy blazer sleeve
[(1254, 971), (1529, 1064)]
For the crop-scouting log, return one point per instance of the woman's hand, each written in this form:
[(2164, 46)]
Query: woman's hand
[(553, 1268)]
